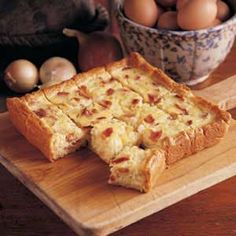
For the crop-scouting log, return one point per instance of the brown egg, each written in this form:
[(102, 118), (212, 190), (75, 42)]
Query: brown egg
[(197, 14), (167, 3), (223, 11), (168, 20), (143, 12), (180, 3), (215, 23)]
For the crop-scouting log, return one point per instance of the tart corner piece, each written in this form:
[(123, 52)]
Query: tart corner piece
[(137, 168)]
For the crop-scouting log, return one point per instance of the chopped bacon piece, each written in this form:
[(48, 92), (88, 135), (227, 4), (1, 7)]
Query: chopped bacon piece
[(107, 132), (138, 77), (83, 91), (76, 99), (120, 159), (70, 137), (127, 68), (181, 97), (62, 93), (184, 111), (155, 135), (189, 122), (126, 76), (105, 103), (111, 80), (123, 170), (135, 101), (149, 119), (112, 178), (173, 116), (153, 99), (110, 91), (94, 110), (87, 112), (41, 112)]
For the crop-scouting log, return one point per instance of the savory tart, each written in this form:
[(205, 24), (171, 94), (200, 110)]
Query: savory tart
[(133, 116)]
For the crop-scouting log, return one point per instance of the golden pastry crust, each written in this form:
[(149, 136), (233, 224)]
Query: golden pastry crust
[(136, 168), (45, 126)]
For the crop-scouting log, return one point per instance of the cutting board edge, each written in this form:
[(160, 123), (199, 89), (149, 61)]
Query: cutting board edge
[(85, 229), (77, 226), (105, 229)]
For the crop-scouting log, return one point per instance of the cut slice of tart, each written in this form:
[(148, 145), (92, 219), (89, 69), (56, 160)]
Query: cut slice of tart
[(110, 136), (45, 126), (136, 168)]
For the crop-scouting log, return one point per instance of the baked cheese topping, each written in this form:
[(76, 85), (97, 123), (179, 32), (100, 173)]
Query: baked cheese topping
[(110, 136), (140, 82), (65, 132), (130, 167), (180, 107)]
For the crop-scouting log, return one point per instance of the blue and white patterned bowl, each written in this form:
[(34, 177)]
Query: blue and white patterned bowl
[(187, 56)]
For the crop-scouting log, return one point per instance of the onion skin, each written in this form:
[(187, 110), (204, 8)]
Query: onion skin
[(55, 70), (21, 76)]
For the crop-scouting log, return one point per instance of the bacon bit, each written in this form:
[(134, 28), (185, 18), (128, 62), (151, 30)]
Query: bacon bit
[(62, 93), (110, 91), (83, 91), (135, 101), (149, 119), (153, 99), (76, 99), (111, 80), (189, 122), (94, 110), (112, 178), (101, 118), (173, 116), (87, 112), (70, 137), (126, 68), (107, 132), (123, 170), (41, 113), (204, 115), (179, 97), (119, 160), (126, 76), (138, 77), (184, 111), (105, 103), (155, 135)]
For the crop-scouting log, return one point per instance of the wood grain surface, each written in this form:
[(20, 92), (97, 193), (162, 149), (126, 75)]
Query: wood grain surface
[(68, 186)]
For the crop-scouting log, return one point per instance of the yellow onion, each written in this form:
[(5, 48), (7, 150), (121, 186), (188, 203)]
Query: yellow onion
[(21, 76), (55, 70)]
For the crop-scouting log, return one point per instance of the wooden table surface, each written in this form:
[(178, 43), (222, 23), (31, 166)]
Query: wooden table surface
[(210, 212)]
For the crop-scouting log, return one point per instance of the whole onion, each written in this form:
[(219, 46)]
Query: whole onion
[(56, 69), (21, 76)]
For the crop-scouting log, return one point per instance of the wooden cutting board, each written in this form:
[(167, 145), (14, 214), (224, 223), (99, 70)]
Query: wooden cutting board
[(76, 188)]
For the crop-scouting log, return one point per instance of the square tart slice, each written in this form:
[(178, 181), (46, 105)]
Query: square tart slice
[(136, 168), (76, 103), (139, 77), (110, 136), (96, 83), (45, 126)]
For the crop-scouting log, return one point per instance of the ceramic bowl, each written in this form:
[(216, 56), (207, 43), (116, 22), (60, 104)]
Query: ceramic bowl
[(186, 56)]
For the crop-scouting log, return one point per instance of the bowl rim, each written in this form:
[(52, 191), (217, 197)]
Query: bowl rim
[(231, 20)]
